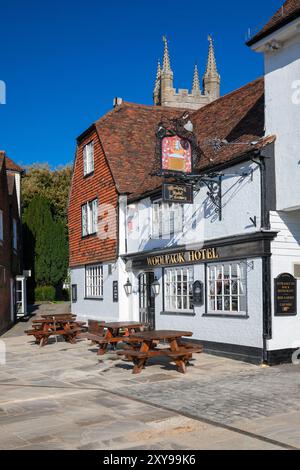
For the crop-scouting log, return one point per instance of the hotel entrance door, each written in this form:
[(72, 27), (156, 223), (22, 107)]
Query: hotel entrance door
[(147, 299)]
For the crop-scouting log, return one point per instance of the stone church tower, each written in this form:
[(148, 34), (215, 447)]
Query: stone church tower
[(165, 95)]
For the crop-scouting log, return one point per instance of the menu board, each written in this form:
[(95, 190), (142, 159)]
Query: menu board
[(285, 295)]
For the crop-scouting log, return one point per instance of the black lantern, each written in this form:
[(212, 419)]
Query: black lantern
[(155, 286), (128, 287)]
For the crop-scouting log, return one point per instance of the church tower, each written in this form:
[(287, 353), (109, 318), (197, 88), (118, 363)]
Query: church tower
[(166, 95)]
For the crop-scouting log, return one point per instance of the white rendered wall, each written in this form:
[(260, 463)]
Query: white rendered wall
[(286, 252), (241, 199), (282, 94), (242, 332), (105, 309)]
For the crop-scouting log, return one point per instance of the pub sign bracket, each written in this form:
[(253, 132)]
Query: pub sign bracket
[(179, 153)]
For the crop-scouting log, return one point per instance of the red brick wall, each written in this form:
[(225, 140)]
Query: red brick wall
[(83, 189), (5, 254)]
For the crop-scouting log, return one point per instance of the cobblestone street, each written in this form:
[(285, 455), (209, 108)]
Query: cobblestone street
[(63, 396)]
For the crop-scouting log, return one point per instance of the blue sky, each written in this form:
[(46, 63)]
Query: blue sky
[(64, 61)]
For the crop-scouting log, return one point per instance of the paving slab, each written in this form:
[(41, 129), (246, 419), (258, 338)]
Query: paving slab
[(64, 396)]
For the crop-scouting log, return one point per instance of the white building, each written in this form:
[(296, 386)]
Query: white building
[(233, 243)]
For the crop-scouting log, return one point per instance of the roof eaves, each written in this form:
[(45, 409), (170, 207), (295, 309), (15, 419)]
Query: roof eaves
[(272, 29)]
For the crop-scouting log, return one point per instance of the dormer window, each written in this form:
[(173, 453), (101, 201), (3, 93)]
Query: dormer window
[(88, 158)]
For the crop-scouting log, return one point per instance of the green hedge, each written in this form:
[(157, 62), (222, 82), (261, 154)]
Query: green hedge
[(44, 293)]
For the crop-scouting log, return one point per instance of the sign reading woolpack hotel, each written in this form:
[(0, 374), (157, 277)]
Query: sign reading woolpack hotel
[(183, 257)]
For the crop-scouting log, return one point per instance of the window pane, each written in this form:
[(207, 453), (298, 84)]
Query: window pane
[(179, 289), (227, 293), (94, 281)]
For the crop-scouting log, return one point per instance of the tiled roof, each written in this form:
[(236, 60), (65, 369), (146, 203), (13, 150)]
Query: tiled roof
[(128, 137), (10, 164), (289, 11), (236, 118)]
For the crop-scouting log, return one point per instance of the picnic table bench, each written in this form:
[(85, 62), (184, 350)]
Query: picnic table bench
[(115, 333), (178, 351), (43, 328)]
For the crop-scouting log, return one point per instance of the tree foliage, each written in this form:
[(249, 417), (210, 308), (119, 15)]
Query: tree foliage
[(45, 197), (40, 180)]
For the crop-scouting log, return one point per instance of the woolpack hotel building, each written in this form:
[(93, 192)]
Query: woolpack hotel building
[(186, 214)]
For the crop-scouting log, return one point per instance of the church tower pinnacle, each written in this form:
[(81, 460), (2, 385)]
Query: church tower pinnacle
[(211, 79), (165, 94), (166, 74), (196, 82)]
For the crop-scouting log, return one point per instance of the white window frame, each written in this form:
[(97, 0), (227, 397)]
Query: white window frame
[(167, 219), (178, 298), (227, 286), (88, 158), (15, 234), (94, 281), (1, 226), (89, 218)]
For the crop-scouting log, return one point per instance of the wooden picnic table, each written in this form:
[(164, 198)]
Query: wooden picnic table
[(43, 328), (178, 351), (115, 333), (61, 316)]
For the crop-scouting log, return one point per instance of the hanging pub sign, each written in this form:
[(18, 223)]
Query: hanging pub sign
[(177, 147), (285, 295), (178, 193), (176, 154)]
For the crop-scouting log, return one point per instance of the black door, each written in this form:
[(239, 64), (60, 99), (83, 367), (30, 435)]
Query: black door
[(147, 299)]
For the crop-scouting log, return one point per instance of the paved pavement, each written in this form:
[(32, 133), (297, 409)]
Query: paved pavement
[(63, 396)]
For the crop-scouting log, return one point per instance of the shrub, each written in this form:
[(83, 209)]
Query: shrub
[(44, 293)]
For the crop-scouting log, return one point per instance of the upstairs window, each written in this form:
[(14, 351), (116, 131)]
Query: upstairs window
[(167, 219), (88, 158), (15, 234), (89, 218), (1, 226)]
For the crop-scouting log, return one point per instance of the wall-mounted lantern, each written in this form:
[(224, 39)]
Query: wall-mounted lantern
[(128, 287), (155, 286)]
